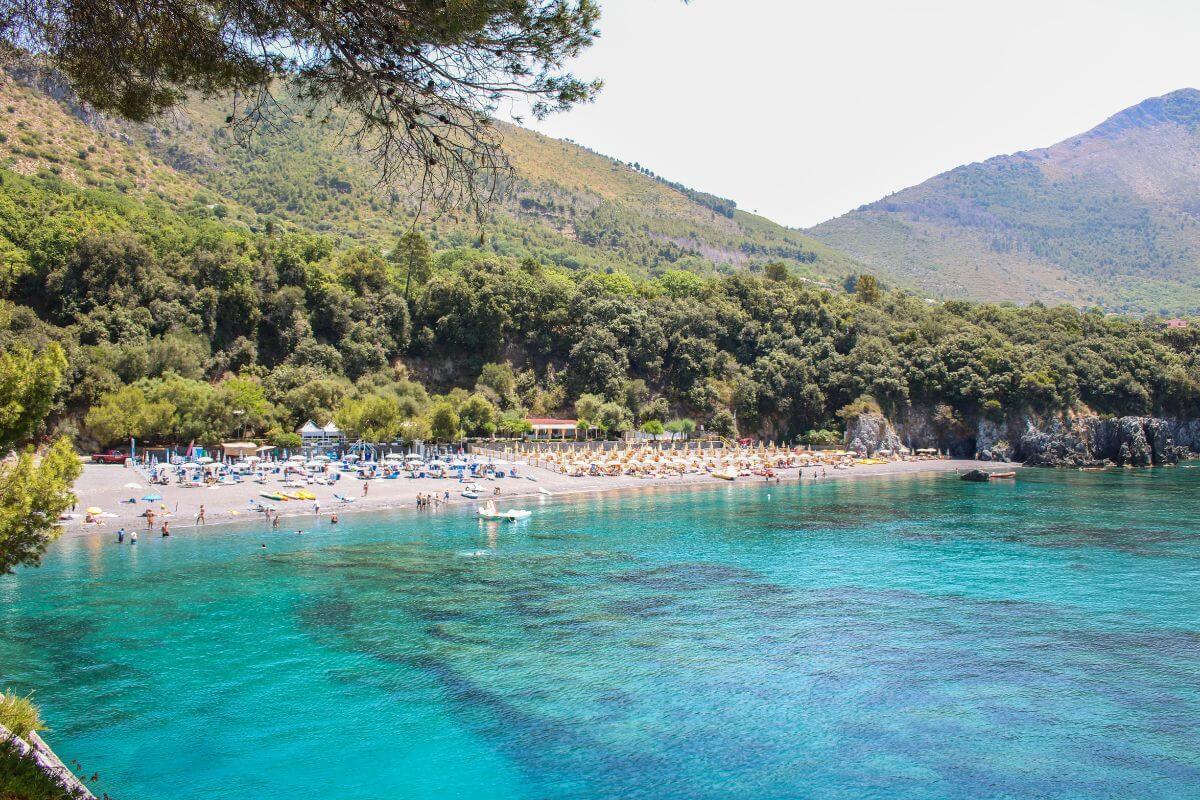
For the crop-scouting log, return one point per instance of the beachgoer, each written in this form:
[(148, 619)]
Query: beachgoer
[(317, 507), (333, 519), (121, 536), (497, 492), (150, 519), (165, 530), (200, 517), (446, 497), (133, 537)]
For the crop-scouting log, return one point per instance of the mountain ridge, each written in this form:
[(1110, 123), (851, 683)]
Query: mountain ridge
[(1109, 217)]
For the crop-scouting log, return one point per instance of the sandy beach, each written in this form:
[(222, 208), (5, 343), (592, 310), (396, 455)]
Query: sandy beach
[(104, 486)]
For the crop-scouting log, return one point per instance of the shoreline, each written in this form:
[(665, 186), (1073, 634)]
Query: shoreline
[(103, 486)]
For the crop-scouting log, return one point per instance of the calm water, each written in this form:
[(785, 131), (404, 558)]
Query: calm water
[(890, 638)]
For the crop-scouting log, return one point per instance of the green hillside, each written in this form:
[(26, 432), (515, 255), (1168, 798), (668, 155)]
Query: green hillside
[(200, 292), (568, 206), (1106, 218)]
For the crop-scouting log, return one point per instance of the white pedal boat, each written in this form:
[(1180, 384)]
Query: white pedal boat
[(489, 511)]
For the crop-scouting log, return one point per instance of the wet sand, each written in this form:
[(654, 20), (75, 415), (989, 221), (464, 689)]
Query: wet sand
[(103, 485)]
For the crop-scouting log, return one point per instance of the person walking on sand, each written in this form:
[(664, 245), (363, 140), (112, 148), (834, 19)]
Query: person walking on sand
[(317, 507), (200, 520), (275, 522), (366, 486), (150, 519)]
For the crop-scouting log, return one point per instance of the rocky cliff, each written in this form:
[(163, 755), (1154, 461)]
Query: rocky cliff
[(1093, 441), (1054, 441), (871, 433)]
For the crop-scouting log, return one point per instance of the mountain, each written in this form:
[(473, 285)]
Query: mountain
[(1110, 217), (568, 206)]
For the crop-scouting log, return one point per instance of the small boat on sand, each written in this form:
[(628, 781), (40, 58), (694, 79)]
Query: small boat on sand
[(272, 495), (725, 474)]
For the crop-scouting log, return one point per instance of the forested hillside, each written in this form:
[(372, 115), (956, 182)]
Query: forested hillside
[(187, 314), (1106, 218), (566, 206)]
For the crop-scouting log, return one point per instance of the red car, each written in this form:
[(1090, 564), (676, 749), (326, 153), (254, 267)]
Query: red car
[(109, 457)]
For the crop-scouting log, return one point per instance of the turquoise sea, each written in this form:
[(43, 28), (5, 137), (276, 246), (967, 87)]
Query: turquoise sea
[(908, 637)]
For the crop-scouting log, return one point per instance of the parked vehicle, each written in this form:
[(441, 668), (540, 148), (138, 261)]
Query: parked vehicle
[(109, 457)]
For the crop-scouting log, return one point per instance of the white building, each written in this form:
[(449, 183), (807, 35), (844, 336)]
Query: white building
[(314, 436)]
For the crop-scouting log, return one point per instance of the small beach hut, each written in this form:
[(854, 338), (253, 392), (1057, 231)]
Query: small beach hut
[(239, 449)]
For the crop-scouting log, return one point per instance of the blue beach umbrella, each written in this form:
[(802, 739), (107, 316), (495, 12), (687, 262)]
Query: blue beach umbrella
[(150, 498)]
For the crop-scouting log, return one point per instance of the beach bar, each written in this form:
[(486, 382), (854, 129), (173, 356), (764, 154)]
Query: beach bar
[(313, 436), (549, 428)]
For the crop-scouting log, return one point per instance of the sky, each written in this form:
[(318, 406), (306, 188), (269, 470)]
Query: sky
[(803, 110)]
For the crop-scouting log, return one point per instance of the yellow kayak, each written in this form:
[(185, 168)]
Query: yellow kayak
[(304, 494)]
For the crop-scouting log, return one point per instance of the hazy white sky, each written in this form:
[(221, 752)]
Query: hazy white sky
[(804, 110)]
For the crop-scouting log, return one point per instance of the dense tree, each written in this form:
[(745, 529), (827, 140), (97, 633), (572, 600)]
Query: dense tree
[(417, 81), (444, 423), (414, 259), (477, 416), (34, 492), (653, 427), (778, 356), (374, 418), (613, 418), (867, 289), (35, 487), (499, 383)]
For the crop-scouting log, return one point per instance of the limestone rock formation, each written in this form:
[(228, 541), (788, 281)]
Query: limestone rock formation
[(871, 433)]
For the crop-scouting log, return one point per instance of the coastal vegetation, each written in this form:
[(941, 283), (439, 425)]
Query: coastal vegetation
[(35, 485), (176, 326), (21, 778), (20, 715)]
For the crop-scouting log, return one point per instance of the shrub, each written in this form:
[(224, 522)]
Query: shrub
[(22, 779), (860, 407), (820, 437), (20, 715)]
